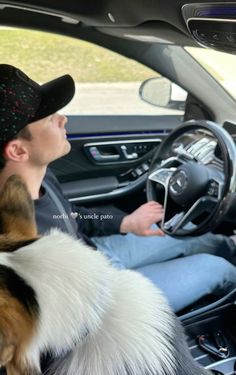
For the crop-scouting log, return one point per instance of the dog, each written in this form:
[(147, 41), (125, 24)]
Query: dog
[(59, 296)]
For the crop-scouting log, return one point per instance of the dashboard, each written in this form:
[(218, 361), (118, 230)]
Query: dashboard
[(201, 146), (197, 145)]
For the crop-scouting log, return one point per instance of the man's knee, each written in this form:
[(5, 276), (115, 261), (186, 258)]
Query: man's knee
[(217, 267), (222, 274), (212, 262)]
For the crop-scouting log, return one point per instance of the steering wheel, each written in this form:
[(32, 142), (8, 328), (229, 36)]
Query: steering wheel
[(195, 187)]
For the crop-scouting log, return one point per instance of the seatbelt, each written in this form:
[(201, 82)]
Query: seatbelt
[(61, 208)]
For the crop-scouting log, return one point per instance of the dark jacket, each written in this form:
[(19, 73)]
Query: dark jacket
[(89, 222)]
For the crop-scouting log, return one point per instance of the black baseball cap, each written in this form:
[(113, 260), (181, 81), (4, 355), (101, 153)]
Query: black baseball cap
[(23, 100)]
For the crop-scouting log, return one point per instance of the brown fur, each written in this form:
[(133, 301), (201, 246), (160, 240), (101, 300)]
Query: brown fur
[(17, 210), (17, 225), (13, 242), (16, 329)]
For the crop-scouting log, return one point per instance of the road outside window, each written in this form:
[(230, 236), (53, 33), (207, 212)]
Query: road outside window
[(106, 83)]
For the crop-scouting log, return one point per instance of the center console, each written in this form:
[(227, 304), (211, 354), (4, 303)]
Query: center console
[(212, 339)]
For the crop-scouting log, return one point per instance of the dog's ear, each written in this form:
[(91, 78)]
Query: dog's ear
[(17, 210)]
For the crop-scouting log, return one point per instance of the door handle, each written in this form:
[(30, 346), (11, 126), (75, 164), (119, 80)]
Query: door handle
[(98, 156), (128, 156)]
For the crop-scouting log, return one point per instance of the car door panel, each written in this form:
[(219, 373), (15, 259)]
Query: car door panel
[(120, 124), (125, 146)]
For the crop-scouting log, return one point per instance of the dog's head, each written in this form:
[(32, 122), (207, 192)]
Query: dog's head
[(17, 217)]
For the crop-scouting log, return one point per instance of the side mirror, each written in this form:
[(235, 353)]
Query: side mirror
[(161, 92)]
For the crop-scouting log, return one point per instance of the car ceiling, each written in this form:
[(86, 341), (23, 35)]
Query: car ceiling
[(106, 22), (150, 20)]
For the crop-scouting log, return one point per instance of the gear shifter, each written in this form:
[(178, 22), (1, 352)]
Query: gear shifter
[(214, 344)]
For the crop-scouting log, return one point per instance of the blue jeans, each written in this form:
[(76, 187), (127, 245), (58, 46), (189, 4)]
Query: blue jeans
[(185, 269)]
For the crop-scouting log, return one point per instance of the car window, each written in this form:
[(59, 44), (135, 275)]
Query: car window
[(106, 82), (220, 65)]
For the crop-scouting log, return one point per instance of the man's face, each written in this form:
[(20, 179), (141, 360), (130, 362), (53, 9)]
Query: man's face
[(49, 141)]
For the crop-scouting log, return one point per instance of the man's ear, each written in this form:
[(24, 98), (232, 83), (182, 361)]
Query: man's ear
[(17, 210), (16, 151)]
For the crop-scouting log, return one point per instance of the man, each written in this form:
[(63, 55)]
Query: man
[(32, 134)]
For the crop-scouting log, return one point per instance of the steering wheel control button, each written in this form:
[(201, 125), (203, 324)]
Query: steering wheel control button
[(213, 189), (162, 176)]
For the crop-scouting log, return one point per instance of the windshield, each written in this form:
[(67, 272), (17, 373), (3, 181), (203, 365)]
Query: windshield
[(219, 64)]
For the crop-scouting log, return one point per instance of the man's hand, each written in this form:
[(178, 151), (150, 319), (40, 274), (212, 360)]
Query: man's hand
[(139, 222)]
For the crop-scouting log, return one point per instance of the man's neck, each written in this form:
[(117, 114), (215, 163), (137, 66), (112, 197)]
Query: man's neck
[(31, 176)]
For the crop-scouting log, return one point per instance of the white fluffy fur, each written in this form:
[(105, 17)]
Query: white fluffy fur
[(110, 319)]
